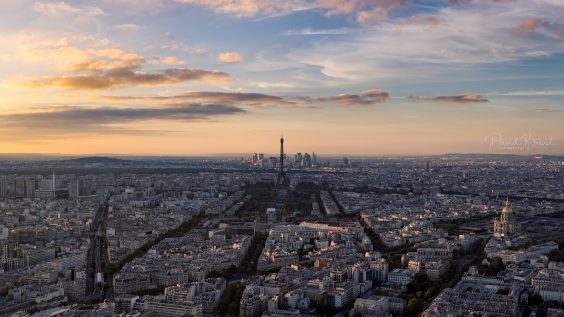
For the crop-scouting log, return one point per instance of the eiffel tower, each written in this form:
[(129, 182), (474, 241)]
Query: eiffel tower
[(282, 188), (282, 179)]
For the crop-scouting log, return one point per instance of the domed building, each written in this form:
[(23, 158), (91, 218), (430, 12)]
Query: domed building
[(507, 224)]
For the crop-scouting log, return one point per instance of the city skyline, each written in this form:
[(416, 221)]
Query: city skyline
[(201, 77)]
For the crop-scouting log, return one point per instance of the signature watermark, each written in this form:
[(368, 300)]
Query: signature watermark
[(524, 142)]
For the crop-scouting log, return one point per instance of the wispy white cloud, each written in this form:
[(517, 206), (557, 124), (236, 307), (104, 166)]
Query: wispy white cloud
[(549, 110), (131, 27), (280, 84), (63, 8), (532, 93), (479, 32), (363, 11), (309, 31)]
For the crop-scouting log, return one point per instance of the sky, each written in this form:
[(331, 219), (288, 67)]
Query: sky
[(356, 77)]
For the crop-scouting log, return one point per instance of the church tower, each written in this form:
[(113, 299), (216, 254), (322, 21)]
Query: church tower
[(506, 224)]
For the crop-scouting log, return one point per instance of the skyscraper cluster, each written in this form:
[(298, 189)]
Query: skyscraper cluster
[(42, 187), (305, 160), (258, 158), (17, 187), (300, 160), (82, 186)]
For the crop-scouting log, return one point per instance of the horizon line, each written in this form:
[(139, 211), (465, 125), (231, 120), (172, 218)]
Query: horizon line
[(266, 153)]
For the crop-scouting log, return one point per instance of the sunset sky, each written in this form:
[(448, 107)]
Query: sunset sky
[(356, 77)]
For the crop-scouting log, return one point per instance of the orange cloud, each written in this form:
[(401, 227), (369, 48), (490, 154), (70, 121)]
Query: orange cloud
[(246, 8), (129, 61), (125, 77), (115, 68), (166, 60), (171, 60), (74, 59), (336, 7), (229, 57), (372, 16), (63, 57), (531, 25)]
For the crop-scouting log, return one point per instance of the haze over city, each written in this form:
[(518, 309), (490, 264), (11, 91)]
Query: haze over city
[(194, 77)]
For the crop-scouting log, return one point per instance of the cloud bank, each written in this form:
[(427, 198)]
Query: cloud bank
[(462, 98), (125, 77), (80, 119), (240, 98), (367, 97), (114, 68), (472, 33)]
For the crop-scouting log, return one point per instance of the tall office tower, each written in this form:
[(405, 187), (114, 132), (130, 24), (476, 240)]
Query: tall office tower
[(8, 188), (307, 160), (45, 184), (255, 159), (313, 159), (73, 188), (282, 178), (86, 186), (30, 188), (427, 166), (3, 187), (20, 187), (298, 159), (273, 161), (81, 186)]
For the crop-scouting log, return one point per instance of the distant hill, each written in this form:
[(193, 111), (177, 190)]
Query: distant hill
[(97, 160), (503, 156)]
